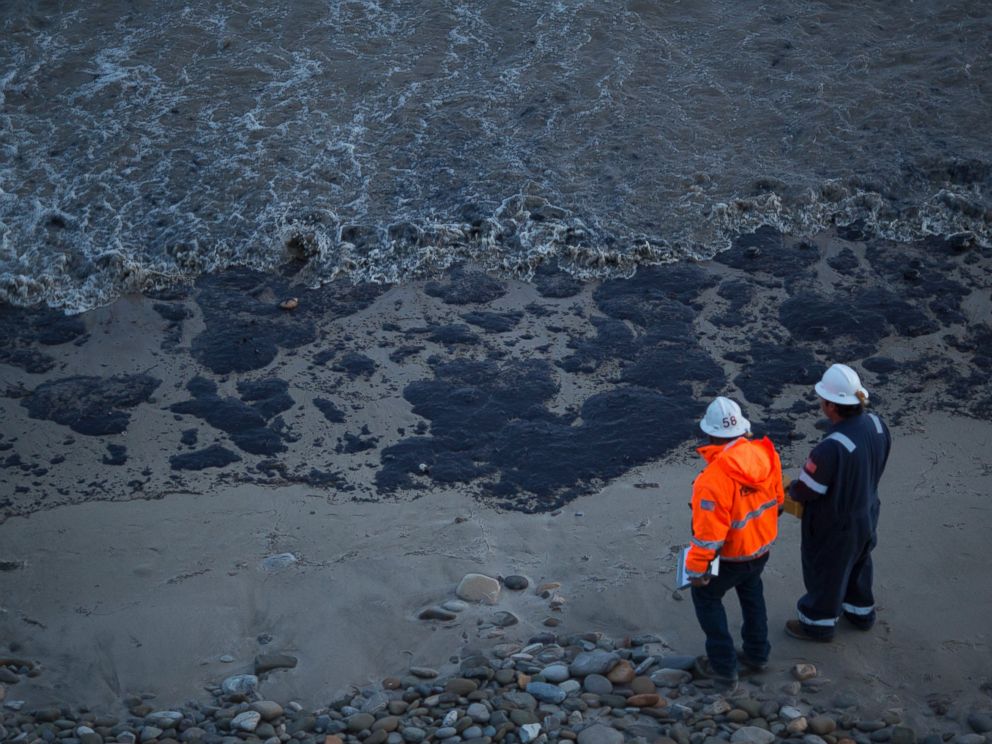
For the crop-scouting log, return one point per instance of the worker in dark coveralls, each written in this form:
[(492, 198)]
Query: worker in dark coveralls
[(735, 507), (838, 487)]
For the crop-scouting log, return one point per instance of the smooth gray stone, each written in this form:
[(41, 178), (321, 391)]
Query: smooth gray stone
[(980, 722), (671, 677), (376, 702), (164, 719), (752, 735), (478, 712), (869, 726), (593, 662), (555, 673), (239, 684), (546, 693), (516, 582), (267, 662), (413, 734), (600, 734), (247, 721), (520, 699), (504, 619), (643, 640), (597, 684), (360, 721), (903, 735), (685, 663)]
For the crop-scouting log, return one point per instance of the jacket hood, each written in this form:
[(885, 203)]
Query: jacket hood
[(750, 461)]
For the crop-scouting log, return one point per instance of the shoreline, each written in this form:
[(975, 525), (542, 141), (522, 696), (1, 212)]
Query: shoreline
[(555, 422)]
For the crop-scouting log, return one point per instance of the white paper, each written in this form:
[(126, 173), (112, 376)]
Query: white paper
[(682, 574)]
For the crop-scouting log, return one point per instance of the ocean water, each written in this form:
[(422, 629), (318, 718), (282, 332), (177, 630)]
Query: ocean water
[(145, 142)]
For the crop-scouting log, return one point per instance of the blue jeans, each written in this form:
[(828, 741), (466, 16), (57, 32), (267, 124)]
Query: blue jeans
[(745, 577)]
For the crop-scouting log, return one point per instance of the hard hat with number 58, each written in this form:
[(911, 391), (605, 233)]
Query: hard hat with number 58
[(724, 419)]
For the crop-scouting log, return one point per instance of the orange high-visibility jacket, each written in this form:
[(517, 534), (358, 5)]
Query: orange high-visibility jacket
[(735, 503)]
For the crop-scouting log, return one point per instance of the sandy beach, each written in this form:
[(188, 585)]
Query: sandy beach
[(194, 479)]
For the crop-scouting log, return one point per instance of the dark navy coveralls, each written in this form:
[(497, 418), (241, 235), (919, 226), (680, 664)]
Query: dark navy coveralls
[(838, 486)]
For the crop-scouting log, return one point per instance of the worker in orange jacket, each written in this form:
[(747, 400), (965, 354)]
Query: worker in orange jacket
[(735, 509)]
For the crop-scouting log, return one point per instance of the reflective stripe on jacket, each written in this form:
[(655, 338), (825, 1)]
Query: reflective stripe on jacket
[(735, 503)]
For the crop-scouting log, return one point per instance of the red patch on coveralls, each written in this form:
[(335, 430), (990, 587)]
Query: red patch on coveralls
[(810, 466)]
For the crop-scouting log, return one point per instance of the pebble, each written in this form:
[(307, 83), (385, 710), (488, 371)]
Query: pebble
[(600, 734), (436, 613), (516, 582), (8, 677), (869, 726), (546, 693), (597, 684), (529, 732), (738, 715), (647, 700), (242, 684), (149, 733), (570, 685), (504, 619), (803, 672), (623, 673), (716, 708), (247, 721), (980, 722), (279, 561), (813, 739), (797, 725), (685, 663), (227, 659), (752, 735), (593, 662), (903, 735), (671, 678), (461, 686), (769, 708), (969, 739), (423, 672), (555, 672), (822, 725), (267, 662), (476, 587), (478, 713), (455, 605), (789, 713)]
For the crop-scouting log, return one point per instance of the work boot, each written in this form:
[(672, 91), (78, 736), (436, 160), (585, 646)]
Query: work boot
[(861, 622), (722, 683), (751, 665), (796, 629)]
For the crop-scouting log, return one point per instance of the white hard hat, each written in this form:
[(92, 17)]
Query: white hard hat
[(724, 419), (841, 384)]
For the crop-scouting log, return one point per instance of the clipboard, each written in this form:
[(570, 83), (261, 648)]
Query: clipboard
[(790, 507), (682, 575)]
